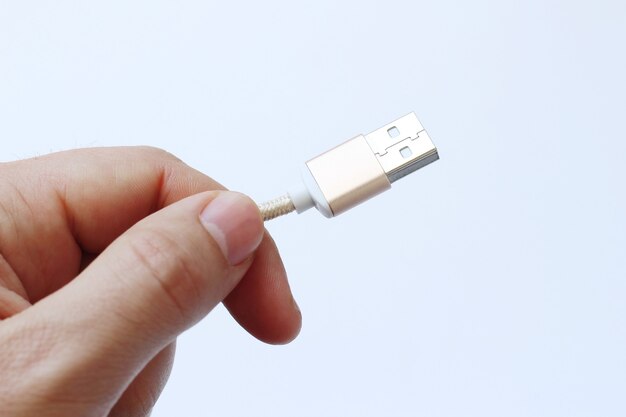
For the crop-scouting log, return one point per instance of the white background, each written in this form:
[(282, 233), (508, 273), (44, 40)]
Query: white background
[(491, 283)]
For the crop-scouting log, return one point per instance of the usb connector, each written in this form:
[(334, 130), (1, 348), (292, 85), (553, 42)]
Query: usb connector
[(402, 146), (358, 169)]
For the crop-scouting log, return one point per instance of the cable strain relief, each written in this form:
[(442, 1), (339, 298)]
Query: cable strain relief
[(301, 198), (308, 194)]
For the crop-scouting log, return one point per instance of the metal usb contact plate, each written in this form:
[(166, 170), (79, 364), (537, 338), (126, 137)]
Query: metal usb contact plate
[(402, 146)]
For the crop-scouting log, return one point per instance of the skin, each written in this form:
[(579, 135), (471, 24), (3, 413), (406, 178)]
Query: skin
[(104, 261)]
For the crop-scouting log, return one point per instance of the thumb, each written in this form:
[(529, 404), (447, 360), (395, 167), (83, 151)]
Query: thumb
[(156, 280), (169, 270)]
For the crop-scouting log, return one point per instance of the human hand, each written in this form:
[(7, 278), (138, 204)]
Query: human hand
[(106, 255)]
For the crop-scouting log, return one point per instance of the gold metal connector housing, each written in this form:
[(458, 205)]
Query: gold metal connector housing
[(348, 174)]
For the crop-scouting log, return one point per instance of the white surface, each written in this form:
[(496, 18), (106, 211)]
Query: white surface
[(491, 283)]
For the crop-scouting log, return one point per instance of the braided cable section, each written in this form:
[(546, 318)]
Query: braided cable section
[(276, 207)]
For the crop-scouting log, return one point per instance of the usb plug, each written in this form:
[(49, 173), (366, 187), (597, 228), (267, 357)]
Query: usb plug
[(402, 146), (358, 169)]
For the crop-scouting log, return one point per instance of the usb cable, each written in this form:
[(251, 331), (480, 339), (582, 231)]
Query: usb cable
[(357, 170)]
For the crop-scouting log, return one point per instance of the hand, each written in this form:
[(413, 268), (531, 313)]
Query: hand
[(106, 255)]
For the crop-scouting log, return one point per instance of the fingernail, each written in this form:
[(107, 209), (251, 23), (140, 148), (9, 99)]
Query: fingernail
[(296, 306), (233, 221)]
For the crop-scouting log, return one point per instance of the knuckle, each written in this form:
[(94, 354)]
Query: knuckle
[(171, 270), (157, 153)]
